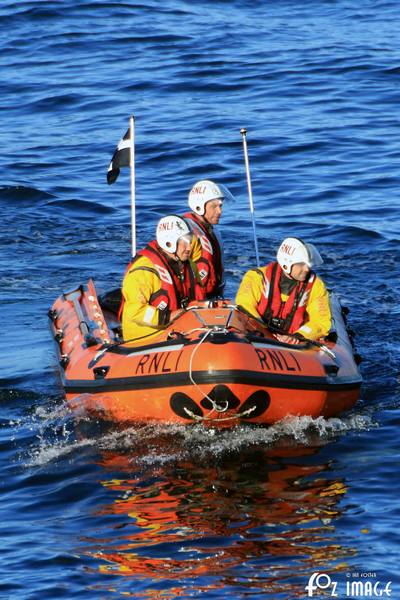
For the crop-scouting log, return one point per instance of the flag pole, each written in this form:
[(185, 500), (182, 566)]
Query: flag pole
[(132, 167), (243, 131)]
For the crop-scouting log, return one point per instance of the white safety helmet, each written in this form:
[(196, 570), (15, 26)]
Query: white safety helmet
[(293, 251), (170, 230), (202, 192)]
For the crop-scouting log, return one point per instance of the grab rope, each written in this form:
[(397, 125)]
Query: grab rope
[(207, 417), (215, 407)]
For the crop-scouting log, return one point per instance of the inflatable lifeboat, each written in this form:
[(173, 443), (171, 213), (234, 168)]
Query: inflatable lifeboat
[(212, 364)]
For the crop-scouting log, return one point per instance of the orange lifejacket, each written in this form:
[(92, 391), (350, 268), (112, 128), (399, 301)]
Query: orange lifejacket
[(287, 316), (176, 290), (209, 265)]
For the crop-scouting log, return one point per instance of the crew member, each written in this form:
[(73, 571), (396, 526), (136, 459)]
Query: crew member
[(206, 200), (160, 281), (287, 295)]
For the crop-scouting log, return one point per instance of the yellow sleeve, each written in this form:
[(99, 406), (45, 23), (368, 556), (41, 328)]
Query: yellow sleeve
[(249, 292), (319, 318), (195, 251), (139, 317), (195, 255)]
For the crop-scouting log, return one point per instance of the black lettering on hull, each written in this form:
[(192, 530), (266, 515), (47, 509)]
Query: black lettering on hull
[(140, 366), (278, 361), (263, 359), (158, 362)]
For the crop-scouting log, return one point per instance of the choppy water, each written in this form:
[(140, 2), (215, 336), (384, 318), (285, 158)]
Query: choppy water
[(155, 512)]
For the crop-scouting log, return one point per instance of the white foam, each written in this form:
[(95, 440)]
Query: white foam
[(59, 434)]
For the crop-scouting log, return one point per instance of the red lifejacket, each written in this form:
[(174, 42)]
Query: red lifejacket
[(176, 290), (209, 265), (287, 316)]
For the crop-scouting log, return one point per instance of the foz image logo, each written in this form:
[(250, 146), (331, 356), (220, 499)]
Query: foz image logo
[(354, 589), (320, 581)]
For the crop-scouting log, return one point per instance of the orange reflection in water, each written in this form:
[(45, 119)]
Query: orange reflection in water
[(260, 518)]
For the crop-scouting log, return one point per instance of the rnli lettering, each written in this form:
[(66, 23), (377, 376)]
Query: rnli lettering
[(166, 226), (199, 189), (143, 360), (158, 362), (275, 360), (287, 249)]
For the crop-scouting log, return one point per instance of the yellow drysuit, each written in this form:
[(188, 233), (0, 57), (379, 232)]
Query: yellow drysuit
[(318, 313)]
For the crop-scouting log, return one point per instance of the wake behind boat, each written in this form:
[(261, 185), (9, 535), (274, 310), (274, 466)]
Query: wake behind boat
[(213, 364)]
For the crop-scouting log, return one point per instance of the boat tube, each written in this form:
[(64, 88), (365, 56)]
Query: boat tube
[(213, 364)]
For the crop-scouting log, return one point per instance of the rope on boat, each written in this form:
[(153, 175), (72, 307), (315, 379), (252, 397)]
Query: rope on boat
[(245, 413), (215, 407)]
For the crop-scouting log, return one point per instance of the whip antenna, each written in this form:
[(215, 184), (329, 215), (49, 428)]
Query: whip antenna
[(243, 131), (132, 169)]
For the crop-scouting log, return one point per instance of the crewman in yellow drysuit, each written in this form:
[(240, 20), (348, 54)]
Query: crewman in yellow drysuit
[(160, 281), (287, 295)]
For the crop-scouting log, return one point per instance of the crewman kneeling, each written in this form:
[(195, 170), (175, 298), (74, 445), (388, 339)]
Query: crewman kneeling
[(159, 281), (287, 295)]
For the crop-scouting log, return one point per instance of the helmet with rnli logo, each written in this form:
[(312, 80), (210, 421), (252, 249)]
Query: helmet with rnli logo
[(202, 192), (293, 251), (170, 230)]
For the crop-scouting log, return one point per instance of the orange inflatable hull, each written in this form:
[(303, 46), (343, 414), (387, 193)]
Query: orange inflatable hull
[(212, 364)]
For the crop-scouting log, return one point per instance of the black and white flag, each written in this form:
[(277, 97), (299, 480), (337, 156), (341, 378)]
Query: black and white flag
[(120, 158)]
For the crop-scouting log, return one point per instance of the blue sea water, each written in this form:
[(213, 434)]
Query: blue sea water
[(173, 512)]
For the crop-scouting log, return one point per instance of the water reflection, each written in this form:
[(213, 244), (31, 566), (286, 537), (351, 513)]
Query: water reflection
[(261, 519)]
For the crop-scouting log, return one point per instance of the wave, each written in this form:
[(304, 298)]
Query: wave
[(61, 433), (13, 395), (40, 202), (24, 195), (82, 206), (61, 102)]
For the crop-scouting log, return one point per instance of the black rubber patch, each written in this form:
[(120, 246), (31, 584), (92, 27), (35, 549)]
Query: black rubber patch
[(179, 402), (259, 401), (100, 372), (222, 396)]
